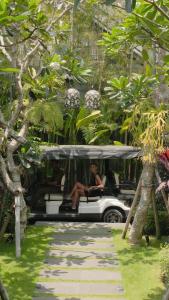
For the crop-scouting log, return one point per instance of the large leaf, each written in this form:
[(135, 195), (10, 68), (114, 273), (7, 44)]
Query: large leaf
[(98, 134), (85, 121), (34, 3), (48, 114), (117, 143), (9, 70), (3, 5), (83, 113), (10, 19)]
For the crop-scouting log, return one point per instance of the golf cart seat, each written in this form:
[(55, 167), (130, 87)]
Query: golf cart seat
[(54, 200), (94, 195)]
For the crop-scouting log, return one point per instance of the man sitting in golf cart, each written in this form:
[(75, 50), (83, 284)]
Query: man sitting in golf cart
[(48, 184), (80, 189)]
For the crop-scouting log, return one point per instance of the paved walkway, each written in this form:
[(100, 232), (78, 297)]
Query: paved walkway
[(81, 264)]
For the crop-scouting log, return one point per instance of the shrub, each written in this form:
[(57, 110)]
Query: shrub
[(164, 263), (163, 222)]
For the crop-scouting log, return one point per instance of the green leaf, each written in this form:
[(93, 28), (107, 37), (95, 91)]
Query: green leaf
[(148, 70), (117, 143), (9, 70), (85, 121), (166, 58), (56, 58), (98, 134), (33, 3), (133, 4), (3, 5), (10, 19), (145, 55)]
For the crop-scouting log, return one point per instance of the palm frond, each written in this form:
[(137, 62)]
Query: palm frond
[(47, 113)]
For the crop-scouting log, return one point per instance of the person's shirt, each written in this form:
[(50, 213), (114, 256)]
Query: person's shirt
[(93, 180)]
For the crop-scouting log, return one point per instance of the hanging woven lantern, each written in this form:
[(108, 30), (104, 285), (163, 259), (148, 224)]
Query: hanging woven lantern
[(72, 98), (92, 99)]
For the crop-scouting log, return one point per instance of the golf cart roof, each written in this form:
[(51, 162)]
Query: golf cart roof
[(89, 152)]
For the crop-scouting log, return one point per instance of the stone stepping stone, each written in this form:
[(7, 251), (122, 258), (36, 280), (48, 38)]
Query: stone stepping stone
[(92, 263), (78, 237), (65, 224), (74, 298), (81, 274), (81, 264), (90, 245), (78, 288), (81, 254), (86, 233)]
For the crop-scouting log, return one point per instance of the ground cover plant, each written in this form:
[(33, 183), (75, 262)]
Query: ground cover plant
[(19, 275), (140, 267)]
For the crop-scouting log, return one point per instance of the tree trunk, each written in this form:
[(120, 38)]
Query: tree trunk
[(166, 295), (17, 226), (5, 225), (3, 292), (156, 219), (23, 217), (135, 234), (131, 212)]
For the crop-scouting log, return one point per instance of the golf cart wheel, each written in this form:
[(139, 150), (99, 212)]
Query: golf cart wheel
[(112, 216)]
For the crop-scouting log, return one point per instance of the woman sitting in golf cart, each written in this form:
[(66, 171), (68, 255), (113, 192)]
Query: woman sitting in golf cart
[(80, 189)]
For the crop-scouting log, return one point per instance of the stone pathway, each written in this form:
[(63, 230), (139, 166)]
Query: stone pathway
[(81, 264)]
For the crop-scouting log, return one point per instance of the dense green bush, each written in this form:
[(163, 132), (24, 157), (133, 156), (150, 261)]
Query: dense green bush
[(6, 207), (163, 222), (163, 217), (164, 263)]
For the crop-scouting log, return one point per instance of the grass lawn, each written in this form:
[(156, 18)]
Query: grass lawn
[(19, 275), (139, 266), (140, 269)]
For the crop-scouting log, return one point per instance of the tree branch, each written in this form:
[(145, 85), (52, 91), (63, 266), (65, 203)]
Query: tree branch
[(19, 42), (6, 53), (6, 178), (69, 7), (153, 3), (29, 55), (15, 143)]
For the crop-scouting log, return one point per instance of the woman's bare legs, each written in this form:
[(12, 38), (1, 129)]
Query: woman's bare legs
[(77, 186), (76, 196)]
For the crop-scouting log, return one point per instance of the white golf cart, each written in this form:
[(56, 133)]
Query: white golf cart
[(107, 205)]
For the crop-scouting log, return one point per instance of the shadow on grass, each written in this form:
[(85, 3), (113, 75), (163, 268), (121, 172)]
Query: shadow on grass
[(142, 264), (156, 294), (145, 254), (20, 275)]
